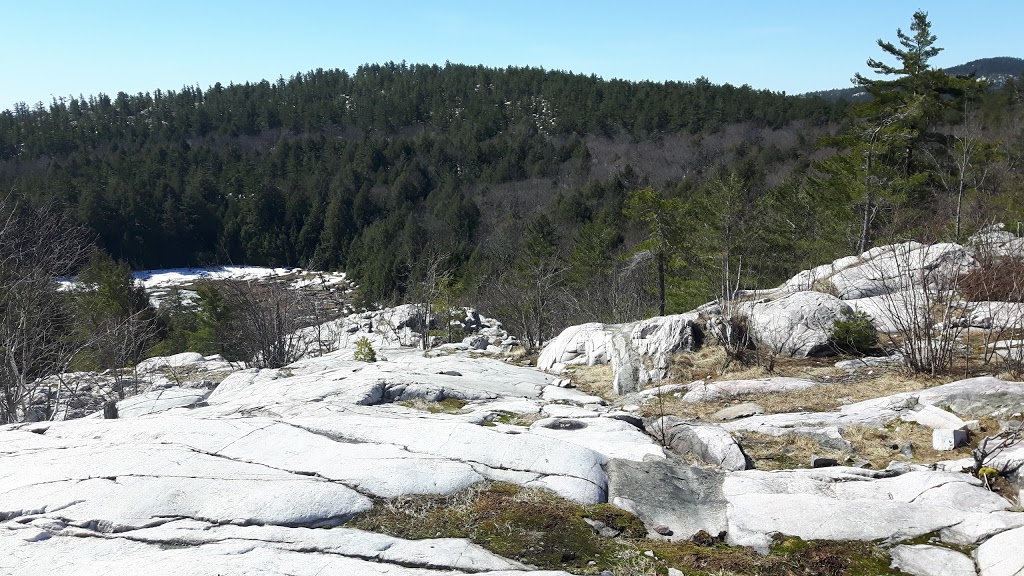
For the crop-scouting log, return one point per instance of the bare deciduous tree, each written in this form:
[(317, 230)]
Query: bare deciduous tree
[(263, 322), (922, 302), (37, 245)]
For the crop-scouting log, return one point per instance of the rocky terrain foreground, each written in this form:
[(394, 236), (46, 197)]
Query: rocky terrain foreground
[(279, 471)]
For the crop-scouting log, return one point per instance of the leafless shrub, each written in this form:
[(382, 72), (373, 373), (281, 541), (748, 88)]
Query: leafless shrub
[(264, 322), (37, 245), (920, 297), (987, 453)]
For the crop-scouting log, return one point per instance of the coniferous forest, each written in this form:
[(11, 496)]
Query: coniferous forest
[(547, 179)]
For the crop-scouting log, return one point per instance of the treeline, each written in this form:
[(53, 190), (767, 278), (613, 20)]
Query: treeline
[(363, 171), (517, 175)]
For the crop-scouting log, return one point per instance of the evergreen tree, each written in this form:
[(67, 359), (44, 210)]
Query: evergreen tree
[(662, 219)]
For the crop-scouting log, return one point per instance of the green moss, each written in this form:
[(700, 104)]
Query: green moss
[(628, 524), (528, 525), (446, 406), (538, 528), (513, 419)]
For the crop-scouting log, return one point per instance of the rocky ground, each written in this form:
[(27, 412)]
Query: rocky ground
[(628, 451)]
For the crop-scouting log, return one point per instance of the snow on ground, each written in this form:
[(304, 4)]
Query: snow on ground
[(158, 282)]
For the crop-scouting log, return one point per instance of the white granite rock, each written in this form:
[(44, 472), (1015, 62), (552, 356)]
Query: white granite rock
[(639, 352), (711, 444), (935, 418), (996, 315), (192, 547), (873, 505), (924, 560), (899, 267), (159, 401), (609, 437), (944, 440), (798, 324), (707, 391), (1001, 554)]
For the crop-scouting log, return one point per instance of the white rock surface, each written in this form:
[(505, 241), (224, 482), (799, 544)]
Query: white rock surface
[(159, 401), (711, 444), (924, 560), (899, 267), (871, 505), (935, 418), (996, 315), (1001, 554), (639, 352), (943, 440), (798, 324), (707, 391), (209, 550)]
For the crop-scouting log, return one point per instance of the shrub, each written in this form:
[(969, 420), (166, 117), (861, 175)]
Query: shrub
[(364, 351), (996, 279), (854, 333)]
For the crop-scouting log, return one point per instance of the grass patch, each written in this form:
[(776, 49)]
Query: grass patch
[(515, 419), (446, 406), (528, 525), (594, 380), (877, 446), (824, 397), (538, 528), (784, 452)]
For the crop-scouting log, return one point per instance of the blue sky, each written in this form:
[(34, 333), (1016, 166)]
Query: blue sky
[(64, 48)]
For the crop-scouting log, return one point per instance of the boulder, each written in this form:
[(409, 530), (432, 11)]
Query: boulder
[(707, 391), (925, 560), (581, 345), (738, 411), (799, 324), (936, 418), (639, 352), (873, 505), (662, 493), (1001, 555), (711, 444)]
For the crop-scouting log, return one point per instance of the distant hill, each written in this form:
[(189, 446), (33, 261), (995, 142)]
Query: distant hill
[(995, 70)]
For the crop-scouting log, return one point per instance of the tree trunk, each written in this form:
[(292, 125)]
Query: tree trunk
[(661, 283)]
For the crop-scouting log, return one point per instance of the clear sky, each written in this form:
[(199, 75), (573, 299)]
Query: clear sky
[(52, 48)]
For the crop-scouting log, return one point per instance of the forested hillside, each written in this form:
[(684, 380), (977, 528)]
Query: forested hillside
[(518, 174)]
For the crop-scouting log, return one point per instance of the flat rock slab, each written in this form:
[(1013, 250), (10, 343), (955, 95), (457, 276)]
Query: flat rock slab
[(1001, 554), (850, 504), (702, 391), (156, 401), (738, 411), (936, 418), (609, 437), (924, 560), (711, 444), (685, 499), (239, 551)]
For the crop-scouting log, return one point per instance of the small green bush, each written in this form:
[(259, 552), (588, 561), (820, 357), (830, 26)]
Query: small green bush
[(854, 333), (364, 351)]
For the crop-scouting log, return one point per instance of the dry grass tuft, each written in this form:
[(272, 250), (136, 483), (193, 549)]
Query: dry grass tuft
[(516, 419), (784, 452), (446, 406), (825, 397), (877, 446), (594, 380)]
